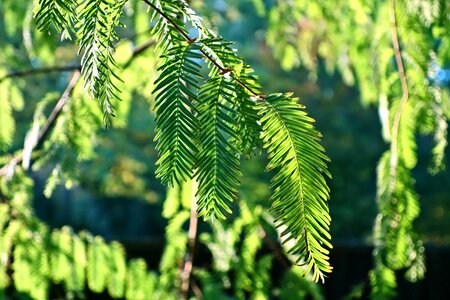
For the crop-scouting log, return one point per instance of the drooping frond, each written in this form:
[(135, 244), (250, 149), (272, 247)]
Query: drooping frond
[(406, 142), (383, 282), (175, 113), (218, 167), (118, 265), (440, 132), (248, 118), (56, 13), (97, 20), (165, 31), (397, 246), (98, 264), (300, 190), (8, 125), (175, 249), (227, 61), (11, 100), (399, 207)]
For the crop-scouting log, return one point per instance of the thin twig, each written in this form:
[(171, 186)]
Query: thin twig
[(224, 70), (196, 289), (53, 69), (43, 132), (36, 71), (192, 238), (138, 51), (274, 248), (405, 91)]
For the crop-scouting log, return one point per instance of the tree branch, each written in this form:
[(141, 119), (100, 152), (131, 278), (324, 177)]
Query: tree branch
[(223, 70), (192, 238), (277, 253), (405, 90), (37, 71), (43, 132), (45, 70)]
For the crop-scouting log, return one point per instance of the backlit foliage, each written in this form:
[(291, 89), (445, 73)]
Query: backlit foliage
[(360, 47), (209, 114)]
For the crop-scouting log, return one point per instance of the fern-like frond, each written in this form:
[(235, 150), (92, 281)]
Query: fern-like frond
[(168, 36), (8, 124), (406, 142), (97, 267), (300, 190), (176, 126), (56, 13), (174, 251), (118, 265), (440, 133), (383, 282), (399, 207), (248, 118), (246, 88), (96, 36), (218, 167)]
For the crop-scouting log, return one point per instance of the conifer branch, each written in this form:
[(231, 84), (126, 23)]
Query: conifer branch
[(405, 90), (223, 70)]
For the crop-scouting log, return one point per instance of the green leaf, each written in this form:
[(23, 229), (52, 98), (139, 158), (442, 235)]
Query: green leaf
[(218, 167), (175, 91), (300, 190), (96, 36), (56, 13)]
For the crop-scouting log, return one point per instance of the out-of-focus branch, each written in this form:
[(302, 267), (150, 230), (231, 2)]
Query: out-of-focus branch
[(37, 71), (405, 91), (55, 69), (196, 289), (278, 254), (192, 239), (43, 132)]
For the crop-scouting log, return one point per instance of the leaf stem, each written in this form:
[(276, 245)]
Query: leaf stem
[(224, 70)]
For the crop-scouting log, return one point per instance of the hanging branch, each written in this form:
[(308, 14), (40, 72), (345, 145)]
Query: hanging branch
[(405, 90), (223, 70)]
